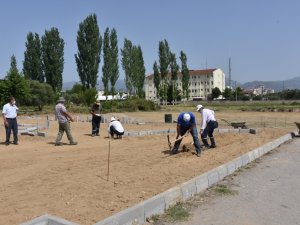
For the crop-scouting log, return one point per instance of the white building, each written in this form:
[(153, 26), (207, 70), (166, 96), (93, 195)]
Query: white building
[(201, 83)]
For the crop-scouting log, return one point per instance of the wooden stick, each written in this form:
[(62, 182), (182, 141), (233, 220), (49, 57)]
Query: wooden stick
[(108, 159)]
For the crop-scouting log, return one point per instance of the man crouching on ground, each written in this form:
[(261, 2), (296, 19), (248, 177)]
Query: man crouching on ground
[(63, 118), (186, 123), (115, 128)]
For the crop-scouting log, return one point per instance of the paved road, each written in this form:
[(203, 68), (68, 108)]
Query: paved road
[(268, 194)]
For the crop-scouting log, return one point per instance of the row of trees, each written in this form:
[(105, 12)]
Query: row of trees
[(44, 61), (165, 88)]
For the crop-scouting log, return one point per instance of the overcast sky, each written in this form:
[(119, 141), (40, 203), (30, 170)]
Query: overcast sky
[(261, 36)]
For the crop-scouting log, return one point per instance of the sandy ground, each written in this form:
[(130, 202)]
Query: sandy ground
[(71, 181)]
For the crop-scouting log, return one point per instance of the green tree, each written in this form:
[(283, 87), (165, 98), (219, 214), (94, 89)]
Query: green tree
[(127, 64), (174, 75), (53, 58), (106, 62), (139, 71), (41, 94), (215, 93), (76, 94), (227, 93), (164, 53), (156, 78), (89, 43), (16, 84), (185, 75), (32, 64), (114, 60)]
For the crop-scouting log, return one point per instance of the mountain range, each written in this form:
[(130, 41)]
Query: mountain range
[(293, 83)]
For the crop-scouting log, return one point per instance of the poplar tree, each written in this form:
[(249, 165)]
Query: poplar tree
[(174, 75), (185, 75), (89, 43), (156, 78), (163, 54), (16, 84), (106, 61), (53, 58), (114, 60), (32, 64), (127, 64), (140, 71)]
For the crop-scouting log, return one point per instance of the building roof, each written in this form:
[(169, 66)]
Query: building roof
[(192, 72)]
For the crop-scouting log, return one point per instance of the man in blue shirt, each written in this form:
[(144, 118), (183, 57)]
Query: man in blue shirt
[(187, 123)]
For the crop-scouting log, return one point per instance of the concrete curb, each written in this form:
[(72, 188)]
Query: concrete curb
[(138, 214), (48, 220), (159, 203)]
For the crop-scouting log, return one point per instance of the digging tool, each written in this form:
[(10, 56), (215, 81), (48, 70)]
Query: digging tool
[(172, 142)]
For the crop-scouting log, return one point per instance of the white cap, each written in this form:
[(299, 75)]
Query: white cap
[(199, 107), (112, 119), (186, 117)]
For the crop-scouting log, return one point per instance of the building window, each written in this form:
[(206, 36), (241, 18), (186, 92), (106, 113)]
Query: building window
[(212, 83)]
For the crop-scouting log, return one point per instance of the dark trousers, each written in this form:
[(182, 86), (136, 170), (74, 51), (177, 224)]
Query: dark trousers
[(96, 124), (209, 130), (194, 134), (113, 131), (11, 126)]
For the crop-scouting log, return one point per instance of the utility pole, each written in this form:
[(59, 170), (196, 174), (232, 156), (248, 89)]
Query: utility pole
[(229, 72)]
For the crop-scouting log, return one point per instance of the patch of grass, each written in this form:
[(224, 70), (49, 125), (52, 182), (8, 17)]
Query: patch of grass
[(224, 190), (178, 212)]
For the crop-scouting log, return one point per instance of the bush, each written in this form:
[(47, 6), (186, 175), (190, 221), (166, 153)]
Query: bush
[(129, 105)]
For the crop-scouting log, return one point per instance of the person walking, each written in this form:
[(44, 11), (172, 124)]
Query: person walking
[(96, 110), (9, 114), (209, 123), (186, 123), (115, 128), (63, 118)]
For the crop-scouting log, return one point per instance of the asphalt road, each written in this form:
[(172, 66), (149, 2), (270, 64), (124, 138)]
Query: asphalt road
[(268, 194)]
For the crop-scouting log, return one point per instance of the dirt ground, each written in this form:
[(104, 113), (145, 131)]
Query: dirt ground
[(71, 181)]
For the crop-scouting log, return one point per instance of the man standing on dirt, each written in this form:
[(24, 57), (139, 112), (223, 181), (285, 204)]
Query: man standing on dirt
[(186, 123), (208, 125), (96, 118), (9, 114), (63, 118)]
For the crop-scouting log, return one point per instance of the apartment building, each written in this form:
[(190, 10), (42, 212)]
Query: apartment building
[(201, 83)]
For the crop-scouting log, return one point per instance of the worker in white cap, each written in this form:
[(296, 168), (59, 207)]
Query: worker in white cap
[(209, 123), (186, 123), (115, 128)]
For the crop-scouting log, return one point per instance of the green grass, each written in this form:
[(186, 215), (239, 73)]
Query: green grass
[(224, 190), (178, 212)]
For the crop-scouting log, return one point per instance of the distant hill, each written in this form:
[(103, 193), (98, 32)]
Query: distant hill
[(293, 83), (120, 85)]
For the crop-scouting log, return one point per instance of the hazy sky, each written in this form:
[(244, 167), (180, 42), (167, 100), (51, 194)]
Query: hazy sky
[(261, 36)]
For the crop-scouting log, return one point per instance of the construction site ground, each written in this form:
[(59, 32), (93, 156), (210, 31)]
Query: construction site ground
[(71, 181)]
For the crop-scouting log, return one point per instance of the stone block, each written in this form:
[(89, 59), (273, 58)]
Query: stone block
[(172, 196), (154, 206), (132, 215), (201, 183), (213, 177), (48, 220), (188, 189), (231, 167), (222, 170)]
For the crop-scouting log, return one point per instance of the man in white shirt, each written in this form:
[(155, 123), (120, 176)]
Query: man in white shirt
[(115, 128), (208, 125), (9, 114)]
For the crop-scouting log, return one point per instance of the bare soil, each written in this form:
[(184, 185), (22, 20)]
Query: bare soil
[(71, 181)]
